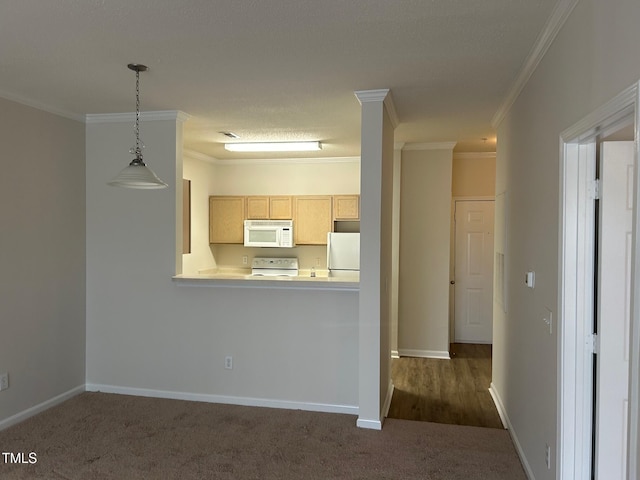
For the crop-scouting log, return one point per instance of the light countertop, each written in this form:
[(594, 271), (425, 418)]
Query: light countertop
[(240, 277)]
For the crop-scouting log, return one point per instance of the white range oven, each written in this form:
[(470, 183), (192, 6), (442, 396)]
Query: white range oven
[(274, 267)]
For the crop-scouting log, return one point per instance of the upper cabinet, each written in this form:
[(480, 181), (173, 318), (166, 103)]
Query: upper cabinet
[(346, 207), (269, 207), (280, 208), (226, 219), (257, 208), (312, 219), (313, 215)]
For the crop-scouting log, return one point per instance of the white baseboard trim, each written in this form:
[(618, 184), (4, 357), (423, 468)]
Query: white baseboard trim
[(369, 424), (210, 398), (507, 424), (387, 400), (444, 355), (395, 354), (41, 407)]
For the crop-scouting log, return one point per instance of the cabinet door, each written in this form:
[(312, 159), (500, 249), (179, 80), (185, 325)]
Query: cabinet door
[(226, 219), (346, 207), (257, 208), (312, 220), (280, 208)]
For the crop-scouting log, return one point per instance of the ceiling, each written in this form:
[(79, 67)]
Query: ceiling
[(274, 70)]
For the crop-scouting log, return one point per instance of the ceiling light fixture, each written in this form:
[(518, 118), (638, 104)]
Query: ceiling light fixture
[(137, 174), (274, 147)]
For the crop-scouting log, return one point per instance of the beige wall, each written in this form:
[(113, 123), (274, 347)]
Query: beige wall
[(42, 299), (473, 175), (593, 58), (423, 311), (201, 173), (282, 177), (147, 335), (330, 176)]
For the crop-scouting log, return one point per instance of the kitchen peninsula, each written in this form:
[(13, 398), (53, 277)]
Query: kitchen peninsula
[(242, 278)]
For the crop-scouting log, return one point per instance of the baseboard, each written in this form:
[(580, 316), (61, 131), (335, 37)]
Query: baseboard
[(369, 424), (387, 400), (41, 407), (230, 400), (395, 354), (499, 406), (444, 355), (507, 424)]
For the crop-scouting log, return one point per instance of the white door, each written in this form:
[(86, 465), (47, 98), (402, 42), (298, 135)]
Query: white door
[(473, 292), (613, 315)]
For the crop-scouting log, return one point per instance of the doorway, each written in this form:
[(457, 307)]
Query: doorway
[(598, 310), (473, 271)]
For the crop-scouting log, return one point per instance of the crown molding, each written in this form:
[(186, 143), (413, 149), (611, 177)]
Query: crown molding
[(473, 155), (429, 146), (198, 156), (176, 115), (548, 34), (42, 106), (380, 95)]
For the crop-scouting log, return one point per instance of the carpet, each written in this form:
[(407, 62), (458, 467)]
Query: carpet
[(106, 436)]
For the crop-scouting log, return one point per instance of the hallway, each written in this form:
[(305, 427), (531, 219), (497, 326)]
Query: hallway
[(452, 391)]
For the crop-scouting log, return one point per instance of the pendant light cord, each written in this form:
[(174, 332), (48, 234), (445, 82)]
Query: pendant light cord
[(138, 150)]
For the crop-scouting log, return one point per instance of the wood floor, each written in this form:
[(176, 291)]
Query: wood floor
[(452, 391)]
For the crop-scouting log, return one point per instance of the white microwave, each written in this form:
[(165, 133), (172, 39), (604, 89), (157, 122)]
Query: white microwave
[(268, 233)]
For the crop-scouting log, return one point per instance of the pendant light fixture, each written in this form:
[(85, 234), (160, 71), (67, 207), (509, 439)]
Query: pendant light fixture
[(137, 174)]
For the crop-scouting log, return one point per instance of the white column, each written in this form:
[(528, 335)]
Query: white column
[(376, 184)]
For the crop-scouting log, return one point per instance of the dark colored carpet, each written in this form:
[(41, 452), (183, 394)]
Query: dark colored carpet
[(105, 436)]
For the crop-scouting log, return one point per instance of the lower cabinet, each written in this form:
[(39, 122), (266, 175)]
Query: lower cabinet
[(312, 219)]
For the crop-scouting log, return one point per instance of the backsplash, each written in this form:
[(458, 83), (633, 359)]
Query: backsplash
[(232, 255)]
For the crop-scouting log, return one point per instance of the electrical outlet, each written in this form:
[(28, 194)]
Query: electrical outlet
[(228, 363), (4, 381), (245, 259), (317, 261), (547, 456)]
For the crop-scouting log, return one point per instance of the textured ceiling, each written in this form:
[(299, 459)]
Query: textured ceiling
[(274, 70)]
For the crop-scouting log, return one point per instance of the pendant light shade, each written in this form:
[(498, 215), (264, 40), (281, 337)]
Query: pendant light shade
[(137, 174)]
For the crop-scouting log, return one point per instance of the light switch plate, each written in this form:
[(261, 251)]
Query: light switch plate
[(548, 319), (530, 279)]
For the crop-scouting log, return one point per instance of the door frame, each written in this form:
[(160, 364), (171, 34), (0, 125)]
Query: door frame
[(452, 254), (576, 280)]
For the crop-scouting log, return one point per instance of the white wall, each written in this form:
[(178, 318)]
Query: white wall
[(423, 311), (593, 58), (42, 297), (147, 335)]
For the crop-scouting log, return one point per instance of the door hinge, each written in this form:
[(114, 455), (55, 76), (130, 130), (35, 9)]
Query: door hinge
[(593, 343), (594, 189)]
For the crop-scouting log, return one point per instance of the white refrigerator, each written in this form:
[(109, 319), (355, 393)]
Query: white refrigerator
[(343, 254)]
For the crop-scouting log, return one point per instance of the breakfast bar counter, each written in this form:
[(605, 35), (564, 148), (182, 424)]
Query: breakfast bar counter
[(238, 277)]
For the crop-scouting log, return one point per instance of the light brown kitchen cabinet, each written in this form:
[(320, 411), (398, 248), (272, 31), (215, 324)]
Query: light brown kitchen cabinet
[(269, 207), (346, 207), (312, 219), (226, 219), (280, 208), (257, 208)]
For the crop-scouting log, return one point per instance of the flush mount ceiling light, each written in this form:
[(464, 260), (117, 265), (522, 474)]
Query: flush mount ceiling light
[(137, 174), (274, 147)]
